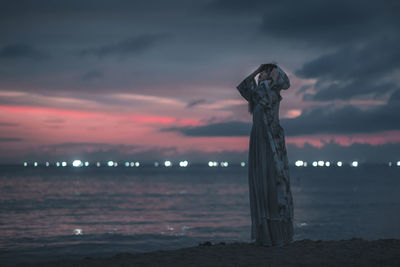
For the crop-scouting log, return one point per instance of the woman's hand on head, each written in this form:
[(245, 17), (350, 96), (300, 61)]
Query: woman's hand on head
[(257, 71), (274, 74), (260, 68)]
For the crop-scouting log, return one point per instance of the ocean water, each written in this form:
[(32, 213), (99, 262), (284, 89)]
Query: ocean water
[(52, 213)]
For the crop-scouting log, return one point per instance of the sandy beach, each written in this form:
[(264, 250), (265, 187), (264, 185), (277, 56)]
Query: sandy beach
[(351, 252)]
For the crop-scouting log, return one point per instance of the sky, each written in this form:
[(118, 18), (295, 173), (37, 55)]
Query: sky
[(156, 80)]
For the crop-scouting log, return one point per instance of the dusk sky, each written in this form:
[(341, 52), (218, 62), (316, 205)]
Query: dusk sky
[(156, 80)]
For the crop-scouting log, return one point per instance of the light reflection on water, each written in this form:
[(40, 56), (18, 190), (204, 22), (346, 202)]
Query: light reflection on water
[(93, 206), (53, 204)]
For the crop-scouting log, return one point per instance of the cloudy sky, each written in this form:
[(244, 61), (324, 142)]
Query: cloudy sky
[(155, 80)]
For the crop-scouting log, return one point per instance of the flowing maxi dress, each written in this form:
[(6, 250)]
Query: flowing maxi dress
[(271, 202)]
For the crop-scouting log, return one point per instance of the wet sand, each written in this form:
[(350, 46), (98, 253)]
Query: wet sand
[(350, 252)]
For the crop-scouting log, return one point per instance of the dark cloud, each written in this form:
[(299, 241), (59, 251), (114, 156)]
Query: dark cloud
[(195, 102), (20, 50), (351, 71), (11, 8), (79, 147), (323, 22), (395, 99), (133, 45), (10, 139), (97, 8), (321, 120), (345, 120), (233, 128), (92, 75), (237, 7), (357, 87), (315, 22), (303, 89)]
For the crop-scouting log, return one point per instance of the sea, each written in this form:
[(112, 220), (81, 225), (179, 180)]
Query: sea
[(53, 213)]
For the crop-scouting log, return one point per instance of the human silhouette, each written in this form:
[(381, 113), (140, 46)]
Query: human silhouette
[(271, 202)]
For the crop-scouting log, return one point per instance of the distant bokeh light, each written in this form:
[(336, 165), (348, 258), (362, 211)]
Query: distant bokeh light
[(167, 163), (77, 163)]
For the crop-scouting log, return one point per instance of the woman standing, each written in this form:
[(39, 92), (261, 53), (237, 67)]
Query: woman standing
[(271, 202)]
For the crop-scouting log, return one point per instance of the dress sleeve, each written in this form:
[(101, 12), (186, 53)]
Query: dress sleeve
[(250, 91), (262, 96), (246, 88), (283, 80)]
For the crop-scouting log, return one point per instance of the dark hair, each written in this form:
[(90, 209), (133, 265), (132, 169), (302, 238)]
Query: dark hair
[(267, 68)]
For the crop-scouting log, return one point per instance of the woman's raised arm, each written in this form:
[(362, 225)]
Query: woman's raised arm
[(282, 82), (247, 86)]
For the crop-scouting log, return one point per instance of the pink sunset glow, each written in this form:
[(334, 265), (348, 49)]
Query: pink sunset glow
[(144, 87), (88, 121)]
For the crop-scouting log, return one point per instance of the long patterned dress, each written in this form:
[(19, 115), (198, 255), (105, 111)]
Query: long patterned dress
[(271, 202)]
